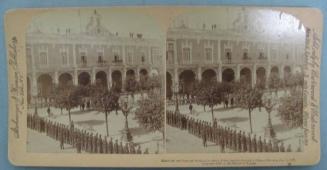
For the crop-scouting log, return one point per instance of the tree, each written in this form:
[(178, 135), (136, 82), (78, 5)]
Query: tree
[(150, 113), (107, 102), (131, 86), (66, 96), (250, 98), (291, 108), (210, 94), (274, 82)]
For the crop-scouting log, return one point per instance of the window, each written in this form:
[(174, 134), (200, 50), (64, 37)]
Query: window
[(83, 58), (43, 58), (186, 55), (170, 53), (64, 57), (228, 55), (208, 54), (143, 59), (261, 56), (100, 59), (130, 57), (116, 58), (245, 56)]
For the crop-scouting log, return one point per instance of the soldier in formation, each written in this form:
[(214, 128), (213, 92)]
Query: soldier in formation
[(226, 138), (81, 140)]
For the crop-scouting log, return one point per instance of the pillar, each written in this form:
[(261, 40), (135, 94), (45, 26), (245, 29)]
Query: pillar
[(268, 71), (123, 54), (219, 73), (55, 78), (123, 79), (219, 53), (138, 74), (75, 77), (93, 76), (34, 90), (109, 78), (199, 72), (281, 72), (175, 76), (175, 53), (254, 75), (74, 55), (237, 72)]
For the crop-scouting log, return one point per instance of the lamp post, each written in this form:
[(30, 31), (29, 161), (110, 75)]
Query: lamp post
[(125, 107), (176, 90), (269, 103)]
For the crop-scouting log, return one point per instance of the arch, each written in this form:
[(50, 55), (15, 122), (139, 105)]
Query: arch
[(116, 80), (44, 84), (274, 71), (169, 84), (65, 79), (101, 78), (245, 76), (130, 74), (186, 80), (228, 75), (287, 72), (261, 77), (154, 72), (208, 75), (84, 78), (143, 72)]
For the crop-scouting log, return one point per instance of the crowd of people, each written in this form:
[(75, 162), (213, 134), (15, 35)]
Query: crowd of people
[(227, 139), (82, 140)]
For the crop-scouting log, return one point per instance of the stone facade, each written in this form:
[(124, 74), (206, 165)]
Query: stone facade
[(200, 50), (83, 55)]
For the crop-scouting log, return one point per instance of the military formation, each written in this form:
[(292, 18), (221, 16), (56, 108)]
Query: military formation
[(228, 140), (82, 140)]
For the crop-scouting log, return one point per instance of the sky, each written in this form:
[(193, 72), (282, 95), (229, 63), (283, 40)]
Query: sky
[(264, 21), (113, 19)]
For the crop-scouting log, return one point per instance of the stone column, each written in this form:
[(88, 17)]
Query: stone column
[(75, 77), (219, 53), (93, 76), (268, 71), (109, 78), (175, 53), (74, 56), (175, 75), (199, 72), (137, 74), (123, 54), (219, 73), (34, 89), (55, 77), (237, 72), (123, 78), (254, 75), (281, 72)]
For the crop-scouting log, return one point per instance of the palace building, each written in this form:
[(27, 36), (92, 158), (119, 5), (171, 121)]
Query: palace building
[(85, 57), (235, 54)]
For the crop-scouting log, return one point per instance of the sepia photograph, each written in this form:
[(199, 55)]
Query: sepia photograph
[(95, 82), (164, 86), (234, 81)]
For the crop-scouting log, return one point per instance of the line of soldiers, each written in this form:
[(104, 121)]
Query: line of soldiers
[(227, 139), (80, 139)]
